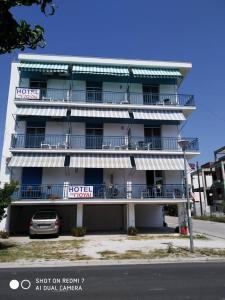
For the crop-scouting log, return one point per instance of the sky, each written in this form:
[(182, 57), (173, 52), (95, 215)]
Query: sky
[(191, 31)]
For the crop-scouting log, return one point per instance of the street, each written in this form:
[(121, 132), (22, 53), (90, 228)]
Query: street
[(153, 281), (213, 229)]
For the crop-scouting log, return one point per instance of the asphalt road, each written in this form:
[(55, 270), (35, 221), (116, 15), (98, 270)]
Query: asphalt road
[(213, 229), (156, 281)]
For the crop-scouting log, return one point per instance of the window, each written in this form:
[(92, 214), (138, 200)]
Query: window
[(93, 91), (150, 94)]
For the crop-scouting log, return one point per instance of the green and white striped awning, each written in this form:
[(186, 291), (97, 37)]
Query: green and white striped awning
[(156, 73), (159, 162), (43, 67), (100, 161), (37, 160), (100, 70), (164, 115), (100, 113), (46, 111)]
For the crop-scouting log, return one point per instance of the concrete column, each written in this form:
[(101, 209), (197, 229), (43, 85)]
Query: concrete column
[(182, 214), (130, 215), (80, 215)]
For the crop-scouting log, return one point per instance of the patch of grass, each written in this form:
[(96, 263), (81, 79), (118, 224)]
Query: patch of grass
[(153, 237), (196, 237), (210, 218), (138, 254), (107, 254), (211, 252), (46, 250), (165, 236)]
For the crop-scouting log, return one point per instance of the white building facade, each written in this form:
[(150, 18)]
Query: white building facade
[(96, 140)]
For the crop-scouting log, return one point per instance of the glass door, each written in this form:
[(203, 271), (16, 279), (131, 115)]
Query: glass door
[(35, 136), (150, 94), (153, 138), (94, 136), (93, 91)]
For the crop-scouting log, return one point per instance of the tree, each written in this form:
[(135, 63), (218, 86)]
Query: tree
[(5, 197), (19, 34)]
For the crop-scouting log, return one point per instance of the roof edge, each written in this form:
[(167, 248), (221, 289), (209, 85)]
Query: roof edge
[(183, 66)]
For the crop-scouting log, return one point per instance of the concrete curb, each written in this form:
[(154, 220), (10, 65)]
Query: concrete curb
[(85, 263)]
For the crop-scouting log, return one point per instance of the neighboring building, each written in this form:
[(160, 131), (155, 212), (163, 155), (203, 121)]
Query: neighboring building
[(96, 139), (201, 182), (210, 186)]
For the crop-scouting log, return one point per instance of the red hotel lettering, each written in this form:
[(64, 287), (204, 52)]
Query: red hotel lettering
[(82, 195)]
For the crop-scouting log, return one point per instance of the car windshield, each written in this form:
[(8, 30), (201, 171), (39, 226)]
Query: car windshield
[(45, 215)]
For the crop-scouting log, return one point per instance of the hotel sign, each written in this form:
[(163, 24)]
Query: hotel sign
[(25, 93), (80, 191)]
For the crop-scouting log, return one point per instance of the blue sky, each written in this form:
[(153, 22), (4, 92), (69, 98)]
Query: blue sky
[(147, 29)]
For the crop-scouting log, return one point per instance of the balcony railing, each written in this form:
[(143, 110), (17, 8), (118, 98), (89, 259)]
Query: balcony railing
[(100, 191), (80, 142), (110, 97)]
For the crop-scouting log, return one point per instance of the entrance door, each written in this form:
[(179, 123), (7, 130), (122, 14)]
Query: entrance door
[(150, 94), (153, 137), (150, 177), (94, 91), (95, 177), (31, 183), (35, 135), (94, 136)]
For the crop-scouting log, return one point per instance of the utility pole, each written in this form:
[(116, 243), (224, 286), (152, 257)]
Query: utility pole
[(200, 194)]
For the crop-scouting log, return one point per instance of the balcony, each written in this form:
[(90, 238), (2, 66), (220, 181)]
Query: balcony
[(99, 191), (111, 143), (106, 97)]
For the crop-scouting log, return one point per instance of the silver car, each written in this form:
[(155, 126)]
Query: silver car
[(44, 222)]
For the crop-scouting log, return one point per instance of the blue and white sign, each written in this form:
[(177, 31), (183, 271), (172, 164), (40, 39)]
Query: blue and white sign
[(25, 93), (80, 191)]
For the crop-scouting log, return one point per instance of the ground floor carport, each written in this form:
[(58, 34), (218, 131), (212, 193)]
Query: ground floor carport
[(96, 217), (20, 216), (105, 217)]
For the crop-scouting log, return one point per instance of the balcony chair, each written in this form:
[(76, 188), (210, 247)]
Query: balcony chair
[(63, 145), (45, 145)]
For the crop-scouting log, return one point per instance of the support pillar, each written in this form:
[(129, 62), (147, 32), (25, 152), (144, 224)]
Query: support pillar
[(80, 215), (130, 215)]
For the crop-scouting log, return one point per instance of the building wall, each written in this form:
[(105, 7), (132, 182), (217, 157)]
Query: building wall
[(173, 177), (10, 123), (168, 89), (169, 131), (61, 175)]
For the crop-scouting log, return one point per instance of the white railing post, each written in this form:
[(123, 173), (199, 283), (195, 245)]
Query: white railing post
[(65, 190)]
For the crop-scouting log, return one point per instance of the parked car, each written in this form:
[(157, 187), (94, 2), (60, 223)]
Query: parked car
[(44, 222)]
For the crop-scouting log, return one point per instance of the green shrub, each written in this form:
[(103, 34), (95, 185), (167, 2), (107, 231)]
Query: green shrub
[(4, 235), (171, 210), (132, 231), (78, 231), (220, 219)]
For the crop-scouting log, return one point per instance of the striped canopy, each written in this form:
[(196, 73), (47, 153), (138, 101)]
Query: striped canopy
[(100, 70), (43, 67)]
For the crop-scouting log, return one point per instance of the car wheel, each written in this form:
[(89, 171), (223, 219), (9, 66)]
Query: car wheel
[(31, 236)]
